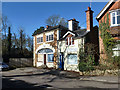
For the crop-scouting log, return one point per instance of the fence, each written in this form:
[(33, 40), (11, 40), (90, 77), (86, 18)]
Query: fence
[(20, 62)]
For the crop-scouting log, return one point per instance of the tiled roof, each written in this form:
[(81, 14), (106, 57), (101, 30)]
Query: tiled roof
[(38, 31), (81, 33), (78, 33)]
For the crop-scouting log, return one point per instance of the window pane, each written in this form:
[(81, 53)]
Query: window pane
[(38, 40), (41, 39), (118, 12), (118, 19), (113, 14), (69, 41), (46, 50), (49, 37), (72, 59), (113, 20), (52, 36), (50, 58), (46, 38), (72, 41)]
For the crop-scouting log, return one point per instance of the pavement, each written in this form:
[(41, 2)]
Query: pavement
[(30, 77)]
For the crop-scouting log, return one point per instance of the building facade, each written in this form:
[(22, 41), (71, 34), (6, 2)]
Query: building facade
[(112, 11), (58, 47), (45, 45)]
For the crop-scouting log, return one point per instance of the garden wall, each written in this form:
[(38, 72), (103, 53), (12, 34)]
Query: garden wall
[(20, 62)]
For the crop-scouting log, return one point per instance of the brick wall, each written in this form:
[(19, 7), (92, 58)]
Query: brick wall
[(114, 6), (20, 62)]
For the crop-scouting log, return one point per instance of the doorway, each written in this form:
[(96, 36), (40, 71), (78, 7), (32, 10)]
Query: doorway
[(61, 66), (44, 59)]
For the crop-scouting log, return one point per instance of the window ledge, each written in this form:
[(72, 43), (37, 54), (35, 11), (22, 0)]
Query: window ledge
[(70, 45), (50, 41), (72, 64), (40, 43), (115, 25)]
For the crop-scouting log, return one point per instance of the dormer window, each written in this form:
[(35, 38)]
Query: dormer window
[(39, 39), (115, 18), (69, 41)]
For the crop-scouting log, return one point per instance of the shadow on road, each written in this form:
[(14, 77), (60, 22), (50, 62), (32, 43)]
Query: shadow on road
[(64, 74), (9, 83)]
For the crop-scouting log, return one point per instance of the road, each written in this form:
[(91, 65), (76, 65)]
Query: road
[(54, 79)]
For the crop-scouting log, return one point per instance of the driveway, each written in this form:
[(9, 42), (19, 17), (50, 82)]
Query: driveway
[(54, 79)]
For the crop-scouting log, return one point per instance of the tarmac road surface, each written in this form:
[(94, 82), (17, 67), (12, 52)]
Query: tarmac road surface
[(30, 77)]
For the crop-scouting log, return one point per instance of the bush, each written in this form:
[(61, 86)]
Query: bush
[(116, 61), (87, 60)]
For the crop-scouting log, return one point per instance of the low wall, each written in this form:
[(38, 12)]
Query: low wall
[(20, 62), (98, 72)]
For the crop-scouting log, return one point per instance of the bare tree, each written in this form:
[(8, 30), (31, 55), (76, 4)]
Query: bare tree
[(53, 20), (63, 22), (15, 41), (56, 20), (29, 43), (22, 40), (4, 30)]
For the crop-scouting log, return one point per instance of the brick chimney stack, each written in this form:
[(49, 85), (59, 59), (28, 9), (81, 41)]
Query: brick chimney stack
[(89, 19)]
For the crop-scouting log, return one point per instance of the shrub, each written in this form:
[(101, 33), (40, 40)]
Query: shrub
[(87, 60)]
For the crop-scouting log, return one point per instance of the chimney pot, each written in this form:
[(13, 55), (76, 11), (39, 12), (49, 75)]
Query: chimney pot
[(74, 19), (89, 8)]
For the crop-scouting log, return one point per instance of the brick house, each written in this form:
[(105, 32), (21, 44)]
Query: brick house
[(112, 9), (54, 46)]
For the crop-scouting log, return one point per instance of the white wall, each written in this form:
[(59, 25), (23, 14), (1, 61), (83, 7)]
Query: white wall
[(70, 25), (70, 50)]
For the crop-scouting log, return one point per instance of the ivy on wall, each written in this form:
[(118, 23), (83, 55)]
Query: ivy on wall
[(108, 40)]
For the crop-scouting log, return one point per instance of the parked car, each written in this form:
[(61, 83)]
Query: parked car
[(3, 66)]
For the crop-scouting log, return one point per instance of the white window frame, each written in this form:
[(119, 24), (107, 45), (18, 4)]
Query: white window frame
[(49, 38), (72, 63), (40, 40), (69, 41), (47, 57), (111, 12)]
